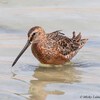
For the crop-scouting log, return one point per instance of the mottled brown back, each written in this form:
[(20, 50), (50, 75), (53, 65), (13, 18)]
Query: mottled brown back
[(66, 45)]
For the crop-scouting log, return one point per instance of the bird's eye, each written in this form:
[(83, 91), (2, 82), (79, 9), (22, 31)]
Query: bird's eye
[(34, 34)]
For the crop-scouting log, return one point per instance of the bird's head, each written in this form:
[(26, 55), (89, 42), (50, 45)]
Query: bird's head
[(35, 35)]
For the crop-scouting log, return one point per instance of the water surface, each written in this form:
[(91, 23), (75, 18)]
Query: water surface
[(28, 79)]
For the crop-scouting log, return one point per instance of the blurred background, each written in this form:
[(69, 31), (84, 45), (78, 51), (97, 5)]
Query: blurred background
[(28, 79)]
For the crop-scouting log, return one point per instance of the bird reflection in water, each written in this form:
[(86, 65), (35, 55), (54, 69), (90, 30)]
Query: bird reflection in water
[(52, 75)]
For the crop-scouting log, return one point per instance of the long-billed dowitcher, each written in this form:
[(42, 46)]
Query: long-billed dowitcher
[(52, 48)]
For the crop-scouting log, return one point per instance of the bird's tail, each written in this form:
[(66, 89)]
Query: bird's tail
[(77, 44), (78, 41)]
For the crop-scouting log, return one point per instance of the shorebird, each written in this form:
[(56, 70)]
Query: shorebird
[(53, 48)]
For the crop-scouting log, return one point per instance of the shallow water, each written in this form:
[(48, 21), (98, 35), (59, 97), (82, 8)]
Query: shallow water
[(30, 80)]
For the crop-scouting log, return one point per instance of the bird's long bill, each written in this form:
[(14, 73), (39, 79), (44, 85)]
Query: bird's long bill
[(23, 50)]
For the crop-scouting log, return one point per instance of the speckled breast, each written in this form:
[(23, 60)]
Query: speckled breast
[(47, 56)]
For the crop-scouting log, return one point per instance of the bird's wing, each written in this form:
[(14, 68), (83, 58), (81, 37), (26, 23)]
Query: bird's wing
[(63, 43)]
